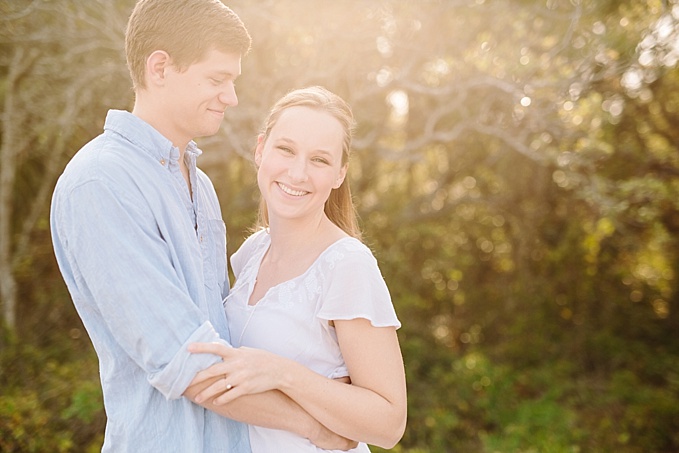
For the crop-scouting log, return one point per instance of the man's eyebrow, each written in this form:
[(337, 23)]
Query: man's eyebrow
[(227, 74)]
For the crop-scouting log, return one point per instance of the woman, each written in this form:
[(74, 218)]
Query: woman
[(309, 305)]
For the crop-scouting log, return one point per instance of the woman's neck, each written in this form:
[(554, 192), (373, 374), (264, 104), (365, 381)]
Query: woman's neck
[(291, 239)]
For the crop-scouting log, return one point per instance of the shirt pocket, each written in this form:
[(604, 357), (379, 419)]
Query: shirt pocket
[(214, 247)]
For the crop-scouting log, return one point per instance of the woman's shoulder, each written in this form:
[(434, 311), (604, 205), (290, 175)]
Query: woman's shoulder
[(255, 241), (351, 246), (248, 250), (348, 252), (257, 237)]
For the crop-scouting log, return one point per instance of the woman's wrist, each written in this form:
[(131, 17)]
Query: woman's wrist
[(288, 376)]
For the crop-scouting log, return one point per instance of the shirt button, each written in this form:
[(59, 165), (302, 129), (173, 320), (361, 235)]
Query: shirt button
[(162, 162), (201, 238)]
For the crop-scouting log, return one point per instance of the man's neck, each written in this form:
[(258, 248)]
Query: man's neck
[(159, 122), (151, 117)]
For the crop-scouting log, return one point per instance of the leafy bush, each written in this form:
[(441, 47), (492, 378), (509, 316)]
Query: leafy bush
[(51, 401)]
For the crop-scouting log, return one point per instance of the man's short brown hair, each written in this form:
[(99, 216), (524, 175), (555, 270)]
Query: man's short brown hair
[(185, 29)]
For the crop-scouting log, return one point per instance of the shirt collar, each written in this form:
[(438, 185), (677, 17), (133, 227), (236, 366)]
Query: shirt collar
[(192, 150), (144, 136)]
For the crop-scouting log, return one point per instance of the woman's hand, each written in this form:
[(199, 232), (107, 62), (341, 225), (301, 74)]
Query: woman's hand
[(243, 371)]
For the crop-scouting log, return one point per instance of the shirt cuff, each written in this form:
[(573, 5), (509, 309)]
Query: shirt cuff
[(176, 376)]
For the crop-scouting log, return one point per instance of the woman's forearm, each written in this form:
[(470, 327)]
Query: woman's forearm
[(349, 410), (273, 409)]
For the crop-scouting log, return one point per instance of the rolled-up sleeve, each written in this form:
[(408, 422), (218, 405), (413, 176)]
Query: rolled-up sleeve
[(172, 380)]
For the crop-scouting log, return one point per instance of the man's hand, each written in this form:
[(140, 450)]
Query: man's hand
[(328, 440)]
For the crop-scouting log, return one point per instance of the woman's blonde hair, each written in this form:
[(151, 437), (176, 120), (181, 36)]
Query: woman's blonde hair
[(339, 207)]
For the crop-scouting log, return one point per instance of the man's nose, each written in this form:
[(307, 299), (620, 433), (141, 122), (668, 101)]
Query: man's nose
[(228, 95)]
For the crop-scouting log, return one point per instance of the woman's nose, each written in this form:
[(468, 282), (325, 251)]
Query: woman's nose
[(297, 170)]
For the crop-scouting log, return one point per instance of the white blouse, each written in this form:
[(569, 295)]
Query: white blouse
[(292, 319)]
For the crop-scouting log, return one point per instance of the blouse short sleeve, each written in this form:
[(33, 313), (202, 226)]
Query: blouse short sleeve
[(354, 287)]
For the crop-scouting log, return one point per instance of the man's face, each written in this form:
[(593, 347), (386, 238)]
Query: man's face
[(195, 99)]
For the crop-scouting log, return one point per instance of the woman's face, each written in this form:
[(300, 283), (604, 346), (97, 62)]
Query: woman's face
[(300, 162)]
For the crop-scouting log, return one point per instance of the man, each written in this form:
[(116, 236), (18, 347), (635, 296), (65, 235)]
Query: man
[(140, 241)]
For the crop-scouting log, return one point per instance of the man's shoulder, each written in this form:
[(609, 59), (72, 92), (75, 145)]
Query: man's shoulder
[(103, 154), (110, 163)]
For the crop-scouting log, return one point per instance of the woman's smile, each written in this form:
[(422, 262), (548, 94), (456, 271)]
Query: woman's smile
[(290, 191)]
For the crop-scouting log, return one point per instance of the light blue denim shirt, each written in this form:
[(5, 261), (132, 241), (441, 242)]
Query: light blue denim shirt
[(145, 264)]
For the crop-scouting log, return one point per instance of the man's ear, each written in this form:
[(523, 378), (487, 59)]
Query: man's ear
[(156, 65)]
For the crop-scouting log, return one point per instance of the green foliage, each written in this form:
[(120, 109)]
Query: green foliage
[(25, 426), (51, 401), (86, 403)]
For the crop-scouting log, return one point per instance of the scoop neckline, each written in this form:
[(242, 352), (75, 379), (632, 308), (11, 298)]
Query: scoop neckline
[(265, 246)]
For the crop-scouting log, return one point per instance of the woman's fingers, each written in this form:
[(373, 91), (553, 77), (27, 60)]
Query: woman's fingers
[(218, 387), (211, 348), (218, 369), (242, 371), (229, 395)]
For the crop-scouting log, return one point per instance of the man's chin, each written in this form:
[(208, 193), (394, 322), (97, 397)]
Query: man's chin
[(209, 131)]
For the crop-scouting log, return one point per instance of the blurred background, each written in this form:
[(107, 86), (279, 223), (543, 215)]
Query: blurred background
[(515, 170)]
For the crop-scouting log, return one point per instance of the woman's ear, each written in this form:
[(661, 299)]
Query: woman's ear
[(259, 149), (156, 64), (341, 176)]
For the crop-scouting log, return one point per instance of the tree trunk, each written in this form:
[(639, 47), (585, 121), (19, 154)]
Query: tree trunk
[(21, 62)]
